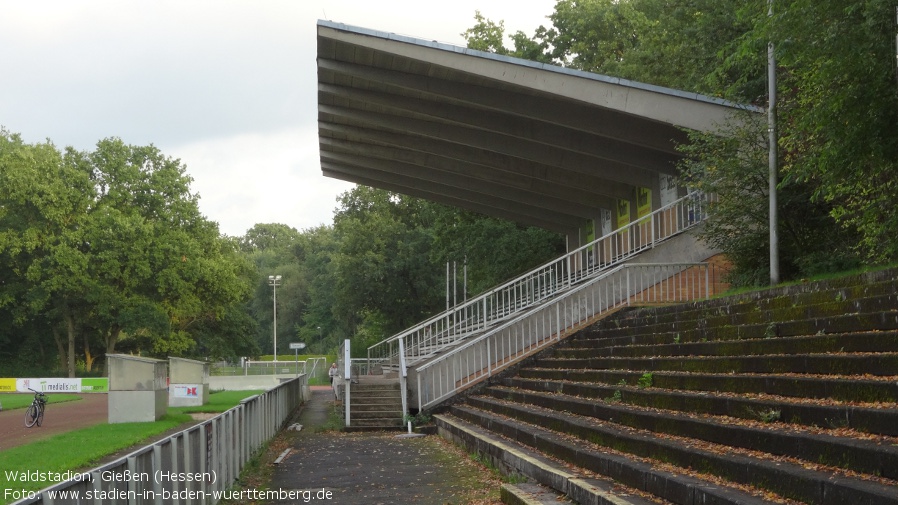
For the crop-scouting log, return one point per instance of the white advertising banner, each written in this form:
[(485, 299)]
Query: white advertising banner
[(54, 385), (186, 390)]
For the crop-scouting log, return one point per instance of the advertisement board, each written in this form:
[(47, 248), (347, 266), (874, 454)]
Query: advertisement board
[(58, 385), (7, 385), (186, 390)]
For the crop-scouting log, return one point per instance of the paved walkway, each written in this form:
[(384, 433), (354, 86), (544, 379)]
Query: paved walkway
[(365, 468)]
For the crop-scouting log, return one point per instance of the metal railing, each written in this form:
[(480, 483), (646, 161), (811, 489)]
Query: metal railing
[(473, 361), (197, 465), (492, 307)]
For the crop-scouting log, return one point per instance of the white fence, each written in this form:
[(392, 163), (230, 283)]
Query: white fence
[(478, 359), (196, 466)]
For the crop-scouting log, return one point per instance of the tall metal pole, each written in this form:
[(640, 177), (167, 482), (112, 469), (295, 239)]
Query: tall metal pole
[(772, 157), (447, 286), (273, 281)]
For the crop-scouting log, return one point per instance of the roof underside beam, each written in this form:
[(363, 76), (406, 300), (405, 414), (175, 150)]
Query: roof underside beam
[(537, 144)]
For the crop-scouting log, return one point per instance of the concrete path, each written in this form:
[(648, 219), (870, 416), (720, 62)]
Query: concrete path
[(367, 468)]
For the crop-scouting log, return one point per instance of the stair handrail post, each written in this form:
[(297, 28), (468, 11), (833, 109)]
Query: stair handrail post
[(347, 378), (403, 378), (627, 291), (708, 282)]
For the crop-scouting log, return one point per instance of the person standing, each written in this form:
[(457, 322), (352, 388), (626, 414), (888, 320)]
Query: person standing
[(333, 372)]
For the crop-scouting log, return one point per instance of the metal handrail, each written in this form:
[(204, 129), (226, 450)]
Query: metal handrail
[(479, 358), (544, 282)]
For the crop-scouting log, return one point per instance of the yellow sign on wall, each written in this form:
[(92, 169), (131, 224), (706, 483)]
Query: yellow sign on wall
[(7, 385), (643, 202), (622, 213)]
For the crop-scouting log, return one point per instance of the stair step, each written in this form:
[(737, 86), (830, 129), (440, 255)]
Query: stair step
[(784, 478), (630, 473), (514, 458), (870, 457), (869, 342), (840, 388), (873, 420), (883, 364)]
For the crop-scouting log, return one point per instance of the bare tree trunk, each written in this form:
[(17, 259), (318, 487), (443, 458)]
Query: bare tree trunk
[(88, 357), (70, 324), (60, 349), (111, 339)]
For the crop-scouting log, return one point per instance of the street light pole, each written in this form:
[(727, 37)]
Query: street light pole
[(274, 281), (772, 158)]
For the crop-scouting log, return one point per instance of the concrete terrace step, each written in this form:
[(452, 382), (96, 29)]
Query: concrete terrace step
[(736, 312), (882, 364), (856, 389), (782, 477), (629, 472), (699, 331), (819, 446), (843, 342), (518, 459), (849, 290), (788, 393), (877, 420), (626, 324)]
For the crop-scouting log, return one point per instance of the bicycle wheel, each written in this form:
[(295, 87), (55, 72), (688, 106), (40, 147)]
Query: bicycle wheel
[(40, 414), (31, 415)]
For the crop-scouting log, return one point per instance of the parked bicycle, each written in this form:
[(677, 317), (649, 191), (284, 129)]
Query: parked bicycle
[(35, 413)]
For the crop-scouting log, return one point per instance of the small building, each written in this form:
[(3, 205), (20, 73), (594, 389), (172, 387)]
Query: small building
[(138, 388), (189, 382)]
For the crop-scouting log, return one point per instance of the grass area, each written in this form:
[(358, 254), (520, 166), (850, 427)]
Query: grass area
[(820, 277), (82, 449), (12, 401), (78, 450), (219, 401)]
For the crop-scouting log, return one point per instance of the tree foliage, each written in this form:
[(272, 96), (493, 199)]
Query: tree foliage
[(109, 246), (837, 114)]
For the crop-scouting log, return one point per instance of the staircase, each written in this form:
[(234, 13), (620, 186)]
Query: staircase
[(375, 404), (664, 229), (782, 396)]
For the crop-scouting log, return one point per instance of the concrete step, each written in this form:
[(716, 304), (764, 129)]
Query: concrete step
[(850, 289), (530, 494), (773, 436), (878, 419), (841, 388), (778, 476), (883, 341), (701, 331), (517, 460), (882, 364), (503, 442)]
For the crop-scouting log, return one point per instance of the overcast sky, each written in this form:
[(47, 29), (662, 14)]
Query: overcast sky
[(228, 87)]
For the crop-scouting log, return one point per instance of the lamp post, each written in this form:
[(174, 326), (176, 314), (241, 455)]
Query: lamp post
[(274, 281)]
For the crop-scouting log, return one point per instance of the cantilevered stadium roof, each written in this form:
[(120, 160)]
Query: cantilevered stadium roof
[(538, 144)]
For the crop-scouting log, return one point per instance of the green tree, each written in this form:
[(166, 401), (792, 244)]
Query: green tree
[(392, 252), (110, 244), (43, 208), (840, 111), (732, 164)]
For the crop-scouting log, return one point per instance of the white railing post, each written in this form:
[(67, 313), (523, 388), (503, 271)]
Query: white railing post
[(403, 377), (347, 378)]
